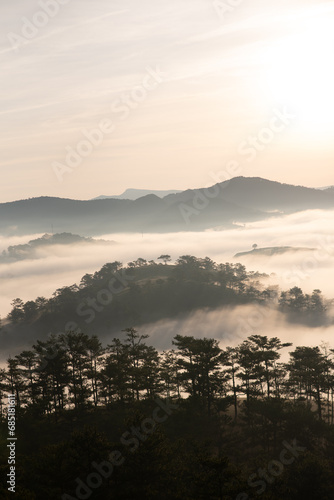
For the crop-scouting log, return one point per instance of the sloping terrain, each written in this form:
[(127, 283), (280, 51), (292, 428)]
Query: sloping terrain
[(238, 200)]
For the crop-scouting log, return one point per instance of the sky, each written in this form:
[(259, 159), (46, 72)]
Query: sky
[(101, 96)]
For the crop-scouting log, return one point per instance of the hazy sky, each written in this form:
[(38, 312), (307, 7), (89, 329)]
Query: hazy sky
[(180, 88)]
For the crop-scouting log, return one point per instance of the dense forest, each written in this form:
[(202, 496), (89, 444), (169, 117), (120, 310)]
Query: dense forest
[(119, 419), (193, 422), (146, 291)]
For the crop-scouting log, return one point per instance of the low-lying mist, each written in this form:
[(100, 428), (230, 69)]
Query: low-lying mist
[(59, 265), (234, 324), (229, 325)]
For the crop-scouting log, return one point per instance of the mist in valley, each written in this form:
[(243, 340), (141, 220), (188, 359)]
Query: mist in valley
[(230, 326), (57, 266)]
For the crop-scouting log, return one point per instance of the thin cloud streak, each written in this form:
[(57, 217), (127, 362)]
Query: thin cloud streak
[(65, 28)]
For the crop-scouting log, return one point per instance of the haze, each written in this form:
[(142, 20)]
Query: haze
[(62, 266)]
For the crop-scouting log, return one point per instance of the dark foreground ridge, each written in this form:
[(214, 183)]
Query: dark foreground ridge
[(195, 422)]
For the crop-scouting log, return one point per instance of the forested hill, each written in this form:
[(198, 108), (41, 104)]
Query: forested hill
[(143, 292), (31, 250)]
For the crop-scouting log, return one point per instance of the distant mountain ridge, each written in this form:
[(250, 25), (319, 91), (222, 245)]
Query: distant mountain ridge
[(134, 194), (240, 199)]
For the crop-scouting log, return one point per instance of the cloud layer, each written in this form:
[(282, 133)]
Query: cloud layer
[(60, 266)]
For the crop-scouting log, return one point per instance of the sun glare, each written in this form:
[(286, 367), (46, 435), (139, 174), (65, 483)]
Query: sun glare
[(301, 75)]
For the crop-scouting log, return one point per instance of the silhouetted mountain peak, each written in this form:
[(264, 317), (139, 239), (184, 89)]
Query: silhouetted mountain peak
[(241, 199)]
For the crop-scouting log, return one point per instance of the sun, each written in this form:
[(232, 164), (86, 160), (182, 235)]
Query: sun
[(300, 75)]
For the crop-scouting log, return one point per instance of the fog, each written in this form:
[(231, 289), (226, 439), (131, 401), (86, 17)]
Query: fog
[(230, 326), (59, 266)]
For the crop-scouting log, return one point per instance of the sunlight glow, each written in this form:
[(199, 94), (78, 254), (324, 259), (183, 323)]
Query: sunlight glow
[(301, 75)]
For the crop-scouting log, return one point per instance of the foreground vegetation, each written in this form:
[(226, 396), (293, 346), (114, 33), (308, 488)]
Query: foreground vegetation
[(239, 422), (194, 422)]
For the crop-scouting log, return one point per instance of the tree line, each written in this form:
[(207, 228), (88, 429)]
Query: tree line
[(74, 371)]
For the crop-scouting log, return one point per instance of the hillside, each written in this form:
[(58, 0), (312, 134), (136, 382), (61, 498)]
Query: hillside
[(30, 249), (270, 251), (273, 196), (239, 200), (144, 292)]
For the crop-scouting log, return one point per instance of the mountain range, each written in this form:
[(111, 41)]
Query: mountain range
[(226, 204), (134, 194)]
